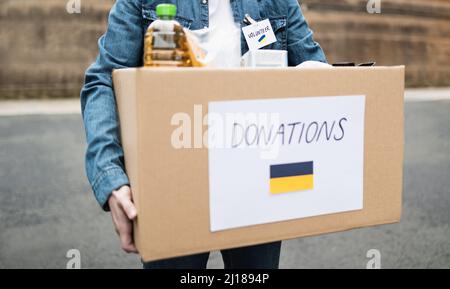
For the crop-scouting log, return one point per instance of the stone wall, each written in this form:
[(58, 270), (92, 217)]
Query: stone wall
[(411, 32), (44, 50)]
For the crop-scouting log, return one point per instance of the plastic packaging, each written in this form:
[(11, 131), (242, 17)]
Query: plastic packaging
[(220, 43), (167, 43)]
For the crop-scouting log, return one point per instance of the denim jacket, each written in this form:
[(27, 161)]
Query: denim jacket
[(122, 46)]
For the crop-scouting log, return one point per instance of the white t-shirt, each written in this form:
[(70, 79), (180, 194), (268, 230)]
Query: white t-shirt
[(220, 13), (224, 46)]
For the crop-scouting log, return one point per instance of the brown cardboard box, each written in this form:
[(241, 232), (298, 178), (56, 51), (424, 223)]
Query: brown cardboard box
[(170, 186)]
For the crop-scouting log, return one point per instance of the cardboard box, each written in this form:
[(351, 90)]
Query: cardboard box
[(171, 186)]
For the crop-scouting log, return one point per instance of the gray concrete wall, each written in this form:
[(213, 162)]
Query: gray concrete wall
[(44, 50)]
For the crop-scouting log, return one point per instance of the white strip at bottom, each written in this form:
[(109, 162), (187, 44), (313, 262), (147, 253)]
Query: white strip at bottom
[(427, 94), (72, 106), (40, 107)]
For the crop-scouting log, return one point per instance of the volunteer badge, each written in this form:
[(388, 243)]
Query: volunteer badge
[(259, 34), (285, 178)]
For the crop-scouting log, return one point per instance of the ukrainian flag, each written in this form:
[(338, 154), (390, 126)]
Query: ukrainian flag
[(291, 177), (262, 38)]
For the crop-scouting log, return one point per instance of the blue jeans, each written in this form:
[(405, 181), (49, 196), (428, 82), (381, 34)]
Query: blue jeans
[(265, 256)]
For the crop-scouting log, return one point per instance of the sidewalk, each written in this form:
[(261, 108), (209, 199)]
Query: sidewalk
[(47, 206)]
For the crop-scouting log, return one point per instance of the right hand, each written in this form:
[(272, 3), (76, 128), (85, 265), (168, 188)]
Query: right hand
[(123, 213)]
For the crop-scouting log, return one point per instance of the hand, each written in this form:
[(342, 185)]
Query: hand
[(123, 213)]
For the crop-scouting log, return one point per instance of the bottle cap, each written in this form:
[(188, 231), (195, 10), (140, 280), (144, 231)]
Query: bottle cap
[(166, 10)]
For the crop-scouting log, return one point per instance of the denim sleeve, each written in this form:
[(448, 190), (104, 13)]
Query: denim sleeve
[(119, 47), (301, 45)]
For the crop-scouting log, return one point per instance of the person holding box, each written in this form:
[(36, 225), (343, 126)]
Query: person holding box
[(122, 46)]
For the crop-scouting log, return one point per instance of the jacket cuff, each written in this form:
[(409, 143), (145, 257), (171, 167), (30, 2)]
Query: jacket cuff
[(106, 182)]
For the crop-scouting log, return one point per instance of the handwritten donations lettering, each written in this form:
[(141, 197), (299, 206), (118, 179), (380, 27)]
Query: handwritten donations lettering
[(287, 133), (249, 130)]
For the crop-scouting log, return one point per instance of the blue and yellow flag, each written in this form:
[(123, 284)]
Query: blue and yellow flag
[(292, 177)]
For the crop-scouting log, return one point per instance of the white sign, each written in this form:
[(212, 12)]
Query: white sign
[(283, 159), (259, 34)]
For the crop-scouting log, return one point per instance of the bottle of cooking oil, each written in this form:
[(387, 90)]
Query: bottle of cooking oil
[(165, 41)]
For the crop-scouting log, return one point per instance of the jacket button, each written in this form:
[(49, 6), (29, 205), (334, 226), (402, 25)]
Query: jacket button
[(204, 2)]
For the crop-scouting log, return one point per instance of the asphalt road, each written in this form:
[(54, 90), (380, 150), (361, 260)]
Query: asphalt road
[(46, 206)]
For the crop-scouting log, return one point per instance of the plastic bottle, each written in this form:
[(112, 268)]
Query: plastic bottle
[(165, 41)]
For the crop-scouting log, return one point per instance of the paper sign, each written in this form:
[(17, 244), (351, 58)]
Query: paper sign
[(259, 34), (284, 159)]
